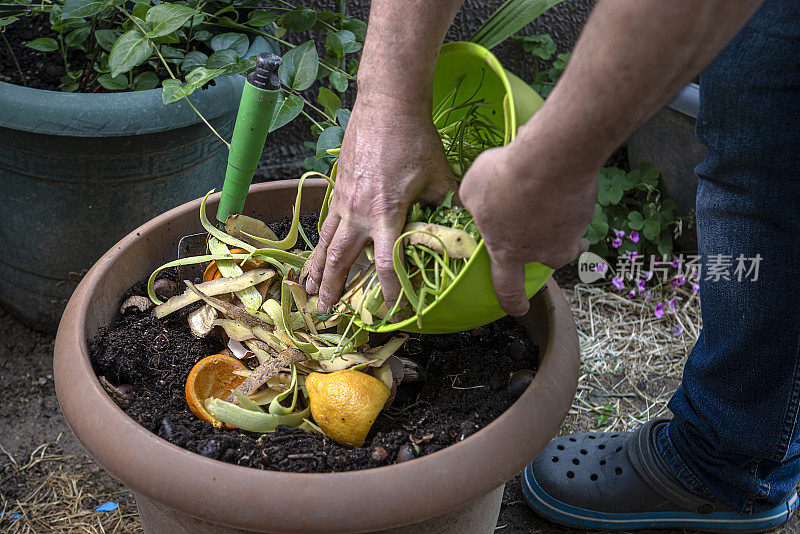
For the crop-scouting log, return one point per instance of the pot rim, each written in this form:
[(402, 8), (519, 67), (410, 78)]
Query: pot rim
[(354, 501), (111, 114)]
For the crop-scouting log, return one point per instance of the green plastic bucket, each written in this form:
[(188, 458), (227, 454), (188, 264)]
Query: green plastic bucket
[(470, 302)]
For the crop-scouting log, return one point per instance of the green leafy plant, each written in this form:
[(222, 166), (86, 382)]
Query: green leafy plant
[(117, 46), (510, 17), (546, 69), (632, 214)]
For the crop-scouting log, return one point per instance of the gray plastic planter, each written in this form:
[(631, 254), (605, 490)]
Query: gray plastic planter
[(667, 141), (79, 171)]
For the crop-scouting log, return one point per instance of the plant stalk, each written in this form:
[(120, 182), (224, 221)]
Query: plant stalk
[(14, 58)]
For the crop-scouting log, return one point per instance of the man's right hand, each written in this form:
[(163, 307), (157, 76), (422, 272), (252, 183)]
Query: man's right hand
[(528, 212), (391, 156)]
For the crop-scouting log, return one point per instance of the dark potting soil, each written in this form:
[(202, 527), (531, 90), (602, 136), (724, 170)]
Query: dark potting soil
[(42, 70), (464, 388)]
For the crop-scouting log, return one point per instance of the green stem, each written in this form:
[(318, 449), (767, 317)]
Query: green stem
[(309, 117), (307, 103), (19, 69), (227, 144), (63, 50), (86, 63), (189, 35)]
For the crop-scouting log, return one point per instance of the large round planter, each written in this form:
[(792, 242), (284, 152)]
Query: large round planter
[(667, 141), (457, 489), (80, 171)]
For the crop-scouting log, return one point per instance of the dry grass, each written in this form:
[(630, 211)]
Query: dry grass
[(61, 498), (631, 361)]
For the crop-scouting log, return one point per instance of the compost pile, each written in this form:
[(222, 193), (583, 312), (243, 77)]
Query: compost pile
[(459, 384), (271, 382)]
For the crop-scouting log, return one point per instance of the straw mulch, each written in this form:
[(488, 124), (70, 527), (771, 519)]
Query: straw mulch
[(59, 494), (631, 361)]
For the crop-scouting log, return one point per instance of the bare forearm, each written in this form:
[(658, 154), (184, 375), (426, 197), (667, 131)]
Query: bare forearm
[(401, 47), (632, 57)]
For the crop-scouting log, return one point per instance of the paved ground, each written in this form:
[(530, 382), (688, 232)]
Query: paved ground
[(30, 417)]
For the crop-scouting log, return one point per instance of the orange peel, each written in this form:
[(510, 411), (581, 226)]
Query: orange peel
[(212, 377)]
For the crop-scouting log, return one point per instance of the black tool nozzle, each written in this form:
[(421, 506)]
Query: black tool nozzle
[(266, 74)]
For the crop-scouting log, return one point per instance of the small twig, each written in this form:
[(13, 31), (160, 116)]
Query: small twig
[(13, 460), (302, 456)]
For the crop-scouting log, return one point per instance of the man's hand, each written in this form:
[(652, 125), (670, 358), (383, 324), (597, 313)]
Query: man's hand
[(391, 155), (526, 213)]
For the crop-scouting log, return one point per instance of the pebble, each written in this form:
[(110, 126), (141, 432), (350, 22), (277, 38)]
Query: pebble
[(405, 454), (518, 351), (518, 382), (379, 454), (165, 288)]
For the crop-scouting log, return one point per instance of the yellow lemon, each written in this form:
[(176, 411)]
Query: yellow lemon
[(345, 403)]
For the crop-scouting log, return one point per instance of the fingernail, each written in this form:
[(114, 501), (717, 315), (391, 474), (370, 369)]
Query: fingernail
[(323, 307), (311, 286)]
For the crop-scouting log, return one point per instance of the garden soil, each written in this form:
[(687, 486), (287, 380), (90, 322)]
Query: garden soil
[(42, 70), (464, 389)]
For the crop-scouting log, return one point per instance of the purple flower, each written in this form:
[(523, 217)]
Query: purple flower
[(632, 293), (696, 287), (601, 268), (648, 275), (616, 243), (634, 235), (618, 283), (676, 262), (632, 255), (658, 310), (678, 281), (619, 233), (671, 303), (640, 284), (677, 330)]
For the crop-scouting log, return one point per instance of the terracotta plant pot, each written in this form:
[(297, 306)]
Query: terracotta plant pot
[(457, 489)]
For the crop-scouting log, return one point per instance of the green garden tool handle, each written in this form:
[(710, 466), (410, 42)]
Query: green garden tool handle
[(259, 98)]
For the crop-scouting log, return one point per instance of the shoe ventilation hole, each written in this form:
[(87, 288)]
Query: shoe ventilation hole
[(617, 470), (614, 435), (602, 462), (584, 452), (560, 447), (593, 477), (601, 446), (554, 459), (570, 474), (575, 461), (619, 449), (591, 437), (573, 440)]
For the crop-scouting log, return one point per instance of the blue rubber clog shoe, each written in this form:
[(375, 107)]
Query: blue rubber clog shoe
[(618, 481)]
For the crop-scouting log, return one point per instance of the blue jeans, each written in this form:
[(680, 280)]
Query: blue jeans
[(735, 433)]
